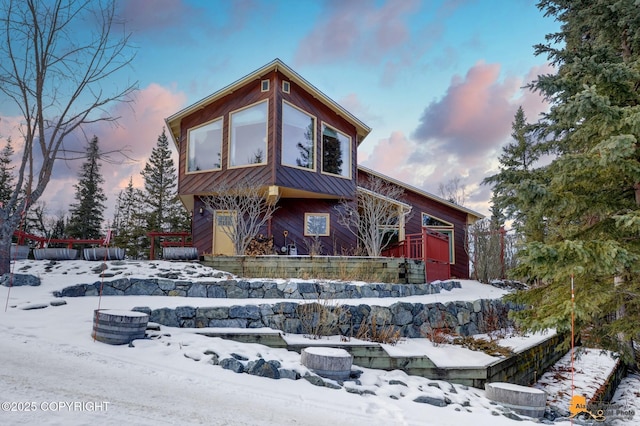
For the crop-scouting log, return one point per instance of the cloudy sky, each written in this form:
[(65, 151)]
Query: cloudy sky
[(438, 81)]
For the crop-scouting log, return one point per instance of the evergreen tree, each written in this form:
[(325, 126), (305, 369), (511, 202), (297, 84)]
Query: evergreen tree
[(166, 212), (517, 174), (587, 197), (130, 223), (86, 215), (6, 173)]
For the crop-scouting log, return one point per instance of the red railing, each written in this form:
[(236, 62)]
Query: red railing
[(429, 246), (182, 241), (42, 241)]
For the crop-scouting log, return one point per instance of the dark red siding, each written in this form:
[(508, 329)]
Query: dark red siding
[(198, 183), (290, 217), (315, 181), (420, 204)]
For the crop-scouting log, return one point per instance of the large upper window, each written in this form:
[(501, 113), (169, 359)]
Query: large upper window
[(336, 152), (205, 147), (298, 137), (248, 141)]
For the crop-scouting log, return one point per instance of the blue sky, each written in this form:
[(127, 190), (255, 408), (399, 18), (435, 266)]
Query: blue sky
[(438, 81)]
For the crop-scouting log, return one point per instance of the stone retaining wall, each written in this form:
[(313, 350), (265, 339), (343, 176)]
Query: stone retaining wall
[(381, 269), (412, 320), (253, 289)]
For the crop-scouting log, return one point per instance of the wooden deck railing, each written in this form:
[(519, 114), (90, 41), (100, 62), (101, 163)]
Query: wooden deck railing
[(429, 246)]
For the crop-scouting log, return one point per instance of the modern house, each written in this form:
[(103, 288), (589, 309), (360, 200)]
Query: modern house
[(274, 127)]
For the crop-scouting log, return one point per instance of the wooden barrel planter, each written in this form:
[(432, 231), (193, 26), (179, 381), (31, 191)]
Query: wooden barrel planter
[(179, 253), (331, 363), (55, 254), (521, 399), (19, 252), (103, 253), (117, 327)]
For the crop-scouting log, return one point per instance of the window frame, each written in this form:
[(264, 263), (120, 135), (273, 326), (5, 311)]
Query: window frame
[(315, 139), (447, 229), (327, 218), (349, 151), (286, 86), (200, 126), (230, 136), (265, 85)]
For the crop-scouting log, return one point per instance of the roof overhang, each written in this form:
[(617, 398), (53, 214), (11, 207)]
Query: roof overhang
[(472, 215), (173, 122), (406, 208)]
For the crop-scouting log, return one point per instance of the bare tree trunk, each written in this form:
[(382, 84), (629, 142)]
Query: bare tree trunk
[(56, 88)]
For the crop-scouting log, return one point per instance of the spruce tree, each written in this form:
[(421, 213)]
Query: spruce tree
[(165, 211), (517, 174), (130, 223), (586, 201), (6, 173), (87, 214)]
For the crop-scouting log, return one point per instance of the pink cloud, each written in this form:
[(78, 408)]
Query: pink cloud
[(137, 131), (461, 134), (533, 103), (136, 134), (357, 29), (390, 157), (474, 113)]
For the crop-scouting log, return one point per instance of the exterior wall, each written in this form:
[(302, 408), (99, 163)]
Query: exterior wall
[(314, 181), (203, 182), (273, 172), (202, 229), (290, 217), (420, 204), (303, 191), (460, 267)]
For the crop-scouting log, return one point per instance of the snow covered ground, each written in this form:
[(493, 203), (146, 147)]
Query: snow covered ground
[(54, 373)]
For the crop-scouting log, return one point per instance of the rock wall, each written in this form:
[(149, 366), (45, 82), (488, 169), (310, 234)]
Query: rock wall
[(253, 289), (320, 310), (412, 320)]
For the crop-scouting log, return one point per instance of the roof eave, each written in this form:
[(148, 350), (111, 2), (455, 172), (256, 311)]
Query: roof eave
[(173, 121), (469, 212)]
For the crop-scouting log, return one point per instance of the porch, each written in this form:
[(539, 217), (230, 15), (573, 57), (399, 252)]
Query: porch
[(430, 247)]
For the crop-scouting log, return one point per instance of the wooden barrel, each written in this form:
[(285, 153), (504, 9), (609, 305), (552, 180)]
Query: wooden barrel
[(102, 253), (55, 254), (521, 399), (331, 363), (117, 327), (19, 252), (179, 253)]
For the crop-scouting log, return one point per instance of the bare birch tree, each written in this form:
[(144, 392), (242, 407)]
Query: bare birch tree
[(375, 218), (53, 64), (453, 191), (248, 207)]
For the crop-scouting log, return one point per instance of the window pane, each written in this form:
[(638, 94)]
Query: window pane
[(430, 221), (298, 129), (316, 224), (205, 147), (335, 152), (249, 136)]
